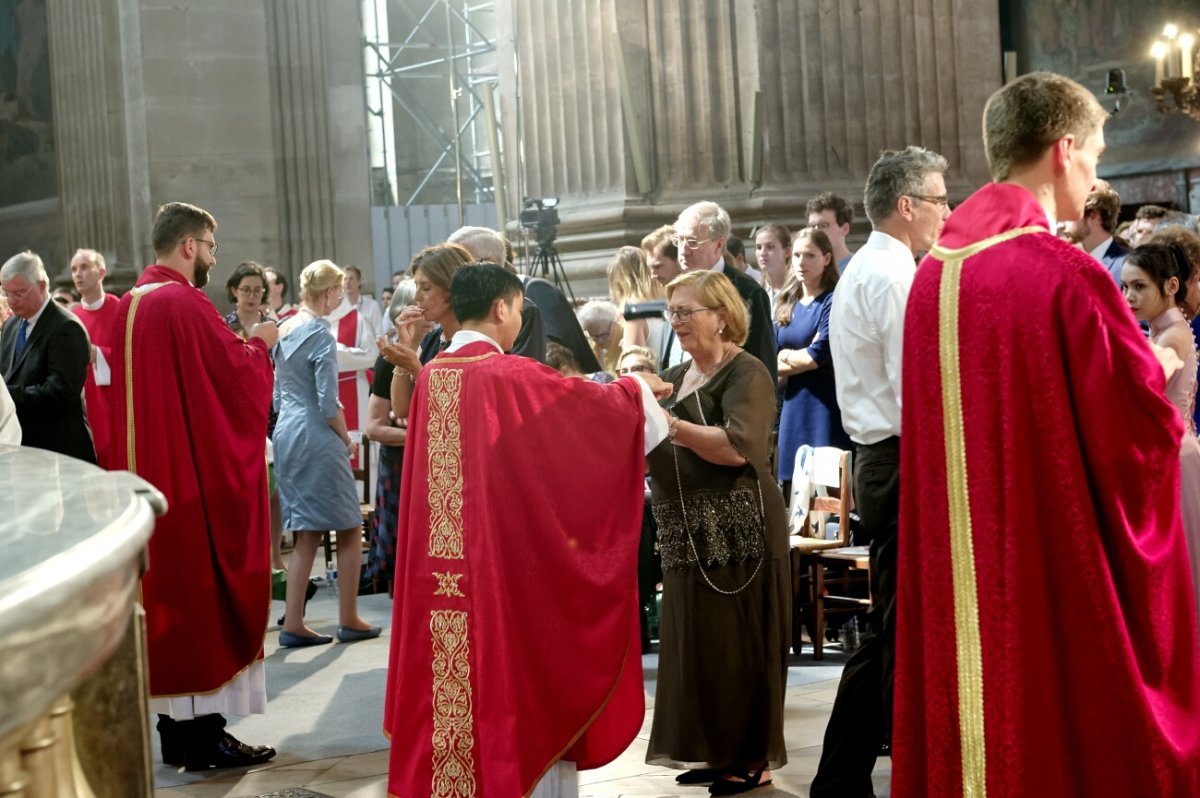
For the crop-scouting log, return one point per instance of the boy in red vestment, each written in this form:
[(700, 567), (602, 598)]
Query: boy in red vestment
[(97, 311), (1046, 641), (190, 412), (515, 635)]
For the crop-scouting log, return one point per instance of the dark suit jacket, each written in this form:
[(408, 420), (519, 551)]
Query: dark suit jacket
[(760, 341), (46, 382), (1114, 258)]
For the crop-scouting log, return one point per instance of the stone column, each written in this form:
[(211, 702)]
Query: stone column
[(95, 63), (319, 112), (837, 83)]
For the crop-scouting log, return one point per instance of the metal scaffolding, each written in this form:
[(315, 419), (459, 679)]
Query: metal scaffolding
[(447, 40)]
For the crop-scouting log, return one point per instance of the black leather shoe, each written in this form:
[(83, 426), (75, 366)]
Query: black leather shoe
[(700, 776), (750, 781), (227, 752)]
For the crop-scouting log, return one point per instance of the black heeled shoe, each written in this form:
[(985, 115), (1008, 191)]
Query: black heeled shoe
[(699, 776), (751, 781)]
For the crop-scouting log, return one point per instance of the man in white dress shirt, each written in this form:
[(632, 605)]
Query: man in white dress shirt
[(906, 202)]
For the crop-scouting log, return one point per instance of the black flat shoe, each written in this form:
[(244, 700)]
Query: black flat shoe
[(700, 776), (751, 781), (227, 752)]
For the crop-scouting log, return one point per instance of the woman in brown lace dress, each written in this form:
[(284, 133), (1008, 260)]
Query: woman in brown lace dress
[(723, 538)]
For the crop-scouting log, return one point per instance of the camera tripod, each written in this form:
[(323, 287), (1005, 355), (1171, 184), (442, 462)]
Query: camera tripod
[(548, 265)]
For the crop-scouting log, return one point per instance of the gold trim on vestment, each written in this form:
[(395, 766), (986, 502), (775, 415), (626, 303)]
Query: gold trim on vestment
[(130, 439), (450, 361), (968, 643), (448, 584), (445, 464), (453, 725)]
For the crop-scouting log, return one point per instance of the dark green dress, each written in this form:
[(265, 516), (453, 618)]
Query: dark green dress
[(723, 658)]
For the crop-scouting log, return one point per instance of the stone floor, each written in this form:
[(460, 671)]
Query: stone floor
[(302, 684)]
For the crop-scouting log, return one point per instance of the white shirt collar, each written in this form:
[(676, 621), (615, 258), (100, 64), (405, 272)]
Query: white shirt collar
[(719, 266), (464, 337), (1100, 249), (99, 302), (34, 318)]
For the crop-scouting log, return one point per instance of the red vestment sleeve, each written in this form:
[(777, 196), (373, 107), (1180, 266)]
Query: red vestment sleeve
[(198, 411), (515, 631)]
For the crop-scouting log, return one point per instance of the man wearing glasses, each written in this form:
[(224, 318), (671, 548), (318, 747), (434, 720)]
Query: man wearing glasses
[(700, 235), (210, 571), (905, 200), (44, 359)]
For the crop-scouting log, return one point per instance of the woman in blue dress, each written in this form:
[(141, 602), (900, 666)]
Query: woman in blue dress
[(312, 458), (810, 410)]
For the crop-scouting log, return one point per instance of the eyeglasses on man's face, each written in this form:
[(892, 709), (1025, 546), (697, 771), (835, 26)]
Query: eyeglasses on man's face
[(681, 242), (935, 200), (635, 369), (17, 295), (682, 315), (212, 245)]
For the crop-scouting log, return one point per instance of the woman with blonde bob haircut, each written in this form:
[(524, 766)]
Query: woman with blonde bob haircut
[(722, 530), (317, 493)]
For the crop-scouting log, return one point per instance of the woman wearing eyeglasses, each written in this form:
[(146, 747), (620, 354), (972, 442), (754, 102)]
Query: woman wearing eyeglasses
[(312, 456), (637, 360), (810, 410), (247, 290), (723, 538)]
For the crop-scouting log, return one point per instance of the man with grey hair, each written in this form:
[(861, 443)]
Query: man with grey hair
[(44, 354), (906, 201), (546, 315), (700, 235)]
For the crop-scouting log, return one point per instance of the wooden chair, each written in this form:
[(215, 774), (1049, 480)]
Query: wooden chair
[(366, 506), (814, 555)]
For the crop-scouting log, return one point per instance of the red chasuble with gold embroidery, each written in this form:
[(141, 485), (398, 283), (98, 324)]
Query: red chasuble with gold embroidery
[(190, 414), (1046, 637), (101, 327), (515, 639)]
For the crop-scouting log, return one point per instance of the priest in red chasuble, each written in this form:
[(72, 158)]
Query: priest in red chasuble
[(190, 413), (97, 311), (1046, 640), (515, 652)]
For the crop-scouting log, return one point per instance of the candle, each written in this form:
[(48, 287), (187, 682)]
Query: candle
[(1159, 51), (1171, 33), (1185, 50)]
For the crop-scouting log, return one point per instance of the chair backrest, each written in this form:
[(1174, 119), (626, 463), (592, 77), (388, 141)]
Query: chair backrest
[(832, 476), (362, 470)]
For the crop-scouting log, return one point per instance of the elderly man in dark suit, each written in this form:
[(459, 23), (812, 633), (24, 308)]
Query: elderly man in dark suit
[(44, 354), (700, 235)]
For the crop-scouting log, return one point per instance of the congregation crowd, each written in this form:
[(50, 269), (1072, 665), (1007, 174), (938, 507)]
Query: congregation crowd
[(516, 434)]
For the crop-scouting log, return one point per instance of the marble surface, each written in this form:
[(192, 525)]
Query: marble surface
[(72, 537)]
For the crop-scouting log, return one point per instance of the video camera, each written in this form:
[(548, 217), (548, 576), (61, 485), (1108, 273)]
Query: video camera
[(539, 213)]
